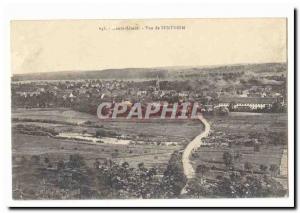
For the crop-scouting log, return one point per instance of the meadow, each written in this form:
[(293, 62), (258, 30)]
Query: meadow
[(152, 142), (248, 138)]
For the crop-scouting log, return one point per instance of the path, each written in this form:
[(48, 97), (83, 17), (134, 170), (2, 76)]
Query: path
[(188, 169)]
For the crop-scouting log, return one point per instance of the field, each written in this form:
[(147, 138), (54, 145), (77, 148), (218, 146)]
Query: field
[(246, 136), (152, 142), (57, 114), (169, 131), (150, 155), (243, 122)]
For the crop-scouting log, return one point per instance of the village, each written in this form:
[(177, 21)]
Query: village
[(254, 97), (95, 159)]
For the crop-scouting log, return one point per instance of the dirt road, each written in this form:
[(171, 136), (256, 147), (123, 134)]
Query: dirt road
[(194, 144)]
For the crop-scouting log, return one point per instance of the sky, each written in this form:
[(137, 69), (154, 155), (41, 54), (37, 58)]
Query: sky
[(74, 45)]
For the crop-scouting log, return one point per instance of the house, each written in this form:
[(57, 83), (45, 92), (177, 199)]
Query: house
[(141, 93), (82, 91), (252, 103), (183, 94), (207, 108), (72, 96)]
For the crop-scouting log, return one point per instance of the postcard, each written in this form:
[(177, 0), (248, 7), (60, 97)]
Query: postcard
[(147, 109)]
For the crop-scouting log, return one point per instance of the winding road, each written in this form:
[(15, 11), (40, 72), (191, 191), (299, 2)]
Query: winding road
[(188, 169)]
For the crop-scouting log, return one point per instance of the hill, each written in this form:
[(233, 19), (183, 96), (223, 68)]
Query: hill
[(151, 73)]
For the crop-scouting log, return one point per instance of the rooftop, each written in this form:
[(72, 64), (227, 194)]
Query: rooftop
[(247, 100)]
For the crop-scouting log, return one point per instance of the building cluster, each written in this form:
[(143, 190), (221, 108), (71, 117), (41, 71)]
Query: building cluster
[(70, 93)]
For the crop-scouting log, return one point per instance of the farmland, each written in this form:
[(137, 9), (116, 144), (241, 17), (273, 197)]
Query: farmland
[(27, 145), (62, 150), (149, 142), (38, 149), (248, 138)]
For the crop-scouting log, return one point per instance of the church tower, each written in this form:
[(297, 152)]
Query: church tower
[(157, 83)]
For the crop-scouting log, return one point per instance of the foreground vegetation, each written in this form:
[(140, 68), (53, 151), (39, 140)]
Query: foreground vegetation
[(73, 179)]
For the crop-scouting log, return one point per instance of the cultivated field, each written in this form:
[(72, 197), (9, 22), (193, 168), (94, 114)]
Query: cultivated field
[(65, 120), (151, 142), (248, 138)]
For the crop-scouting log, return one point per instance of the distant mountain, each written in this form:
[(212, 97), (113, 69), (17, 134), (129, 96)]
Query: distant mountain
[(150, 73)]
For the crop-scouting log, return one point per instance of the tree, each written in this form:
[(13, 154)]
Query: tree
[(263, 168), (202, 169), (60, 165), (174, 179), (248, 166), (235, 176), (238, 156), (35, 158), (274, 169), (46, 160), (252, 187), (100, 133), (231, 106), (256, 147), (125, 164), (274, 189), (24, 160), (228, 159), (96, 164), (276, 107), (141, 166), (152, 172), (76, 161), (197, 190)]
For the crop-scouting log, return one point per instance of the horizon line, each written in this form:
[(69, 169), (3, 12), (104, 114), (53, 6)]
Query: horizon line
[(157, 67)]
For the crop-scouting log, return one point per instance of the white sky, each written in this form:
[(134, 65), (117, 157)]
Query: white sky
[(45, 46)]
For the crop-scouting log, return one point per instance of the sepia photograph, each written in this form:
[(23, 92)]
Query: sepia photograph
[(123, 109)]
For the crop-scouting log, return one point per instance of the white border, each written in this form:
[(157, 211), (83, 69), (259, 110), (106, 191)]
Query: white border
[(136, 9)]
